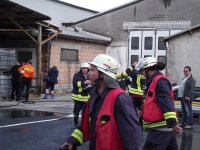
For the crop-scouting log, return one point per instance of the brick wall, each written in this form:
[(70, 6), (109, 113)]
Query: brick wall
[(87, 52)]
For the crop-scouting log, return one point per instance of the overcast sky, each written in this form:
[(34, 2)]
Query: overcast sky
[(98, 5)]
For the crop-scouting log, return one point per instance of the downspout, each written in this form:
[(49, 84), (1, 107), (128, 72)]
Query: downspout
[(128, 48)]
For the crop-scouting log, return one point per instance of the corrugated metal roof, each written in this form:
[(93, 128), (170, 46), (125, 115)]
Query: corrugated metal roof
[(78, 33), (22, 15), (190, 30)]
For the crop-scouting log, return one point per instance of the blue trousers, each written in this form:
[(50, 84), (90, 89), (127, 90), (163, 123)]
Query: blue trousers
[(160, 140), (187, 115)]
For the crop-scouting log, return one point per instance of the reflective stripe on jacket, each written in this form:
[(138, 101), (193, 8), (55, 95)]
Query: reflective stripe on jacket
[(29, 71), (152, 113), (138, 80), (138, 90), (78, 94)]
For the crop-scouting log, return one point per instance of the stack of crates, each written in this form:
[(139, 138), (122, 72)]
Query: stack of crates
[(7, 60)]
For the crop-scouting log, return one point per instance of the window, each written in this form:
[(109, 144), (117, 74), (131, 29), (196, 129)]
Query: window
[(161, 44), (134, 58), (162, 59), (69, 54), (147, 56), (135, 43), (148, 43)]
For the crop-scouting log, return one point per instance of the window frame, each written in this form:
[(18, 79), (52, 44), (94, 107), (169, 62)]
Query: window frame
[(68, 50)]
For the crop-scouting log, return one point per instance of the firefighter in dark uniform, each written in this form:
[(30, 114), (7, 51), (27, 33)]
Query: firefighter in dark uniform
[(109, 120), (138, 83), (79, 95), (158, 110), (123, 80)]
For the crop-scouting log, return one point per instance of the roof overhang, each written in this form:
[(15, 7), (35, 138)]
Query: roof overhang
[(25, 17)]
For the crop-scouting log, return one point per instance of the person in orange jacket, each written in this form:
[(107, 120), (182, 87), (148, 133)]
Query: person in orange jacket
[(27, 71)]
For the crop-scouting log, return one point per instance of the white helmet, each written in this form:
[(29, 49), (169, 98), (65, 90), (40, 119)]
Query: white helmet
[(85, 65), (106, 64), (149, 62)]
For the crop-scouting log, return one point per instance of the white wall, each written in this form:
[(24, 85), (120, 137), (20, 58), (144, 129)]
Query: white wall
[(120, 54), (183, 51)]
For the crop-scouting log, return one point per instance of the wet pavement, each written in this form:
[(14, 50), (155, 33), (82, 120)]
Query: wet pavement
[(47, 123)]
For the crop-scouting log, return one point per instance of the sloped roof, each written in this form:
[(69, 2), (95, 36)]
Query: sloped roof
[(78, 33), (65, 3), (190, 30), (22, 15), (106, 12)]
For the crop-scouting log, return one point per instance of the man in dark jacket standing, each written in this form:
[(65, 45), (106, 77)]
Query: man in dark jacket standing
[(51, 80), (79, 95), (185, 94), (16, 78), (109, 120)]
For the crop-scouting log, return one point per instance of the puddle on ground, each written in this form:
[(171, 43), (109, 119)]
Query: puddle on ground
[(26, 113)]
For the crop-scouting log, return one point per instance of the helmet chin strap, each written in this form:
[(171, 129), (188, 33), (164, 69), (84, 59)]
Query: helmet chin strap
[(146, 72), (100, 78)]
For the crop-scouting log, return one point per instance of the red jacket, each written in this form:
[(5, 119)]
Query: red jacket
[(151, 110), (107, 134)]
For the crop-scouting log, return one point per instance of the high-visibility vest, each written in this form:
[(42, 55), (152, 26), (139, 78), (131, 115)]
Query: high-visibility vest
[(152, 113), (28, 71), (107, 133)]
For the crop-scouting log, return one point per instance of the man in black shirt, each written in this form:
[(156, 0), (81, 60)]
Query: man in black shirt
[(16, 78)]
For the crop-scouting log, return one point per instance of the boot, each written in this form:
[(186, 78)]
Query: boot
[(45, 96), (52, 96)]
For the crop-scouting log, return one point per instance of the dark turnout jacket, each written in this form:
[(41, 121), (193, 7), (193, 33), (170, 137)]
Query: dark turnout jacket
[(15, 74)]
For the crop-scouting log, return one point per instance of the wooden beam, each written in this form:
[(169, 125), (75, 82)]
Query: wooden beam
[(14, 30), (39, 59), (51, 37), (11, 19)]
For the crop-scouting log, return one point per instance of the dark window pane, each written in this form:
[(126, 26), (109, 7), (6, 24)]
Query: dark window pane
[(147, 56), (135, 43), (134, 58), (162, 59), (161, 44), (69, 54), (148, 43)]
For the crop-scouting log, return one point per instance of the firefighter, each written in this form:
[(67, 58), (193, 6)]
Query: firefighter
[(27, 71), (138, 82), (158, 110), (16, 78), (80, 96), (109, 120), (123, 80)]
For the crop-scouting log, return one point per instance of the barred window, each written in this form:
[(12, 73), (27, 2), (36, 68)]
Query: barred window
[(134, 58), (69, 54), (135, 43), (148, 43), (161, 43)]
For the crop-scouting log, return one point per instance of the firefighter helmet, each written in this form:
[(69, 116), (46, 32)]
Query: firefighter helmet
[(106, 64), (149, 62), (85, 65)]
